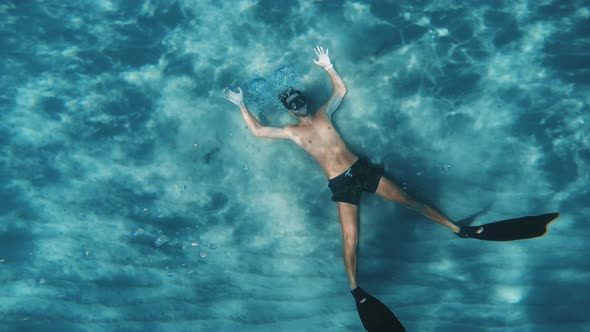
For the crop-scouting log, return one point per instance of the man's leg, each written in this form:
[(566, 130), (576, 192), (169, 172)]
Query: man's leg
[(349, 222), (394, 193)]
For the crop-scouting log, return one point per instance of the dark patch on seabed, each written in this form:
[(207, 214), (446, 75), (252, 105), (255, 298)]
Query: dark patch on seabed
[(16, 245)]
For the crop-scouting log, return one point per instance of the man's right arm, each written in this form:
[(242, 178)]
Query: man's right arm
[(253, 124), (259, 130)]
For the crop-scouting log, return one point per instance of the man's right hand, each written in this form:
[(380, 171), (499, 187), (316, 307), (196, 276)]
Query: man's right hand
[(323, 58), (236, 98)]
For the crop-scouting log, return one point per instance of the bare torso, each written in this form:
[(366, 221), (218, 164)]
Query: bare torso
[(321, 140)]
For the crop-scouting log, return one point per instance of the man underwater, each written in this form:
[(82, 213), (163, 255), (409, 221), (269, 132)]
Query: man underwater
[(350, 175)]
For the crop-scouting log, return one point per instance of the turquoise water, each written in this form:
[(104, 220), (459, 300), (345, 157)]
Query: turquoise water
[(133, 197)]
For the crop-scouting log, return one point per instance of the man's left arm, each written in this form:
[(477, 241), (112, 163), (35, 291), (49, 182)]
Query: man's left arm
[(339, 88)]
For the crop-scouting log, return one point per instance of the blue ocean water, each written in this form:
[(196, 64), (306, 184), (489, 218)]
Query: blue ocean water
[(133, 197)]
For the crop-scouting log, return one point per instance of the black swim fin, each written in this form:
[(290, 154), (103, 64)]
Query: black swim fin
[(511, 229), (374, 315)]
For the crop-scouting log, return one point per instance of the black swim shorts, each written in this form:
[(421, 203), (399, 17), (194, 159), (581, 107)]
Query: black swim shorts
[(361, 176)]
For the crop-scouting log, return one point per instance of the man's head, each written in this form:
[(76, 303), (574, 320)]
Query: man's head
[(294, 101)]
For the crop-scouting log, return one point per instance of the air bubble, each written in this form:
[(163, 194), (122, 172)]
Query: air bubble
[(444, 167), (160, 240)]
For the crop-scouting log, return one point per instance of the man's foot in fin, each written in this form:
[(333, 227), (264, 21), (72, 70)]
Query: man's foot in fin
[(511, 229), (374, 315), (470, 231), (359, 295)]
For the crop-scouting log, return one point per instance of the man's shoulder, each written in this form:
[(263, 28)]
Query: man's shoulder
[(291, 130), (322, 115)]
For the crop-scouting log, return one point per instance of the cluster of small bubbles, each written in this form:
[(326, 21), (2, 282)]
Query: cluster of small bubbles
[(245, 168), (420, 173), (263, 92), (404, 185), (160, 240), (285, 76), (260, 93), (261, 87), (138, 232), (445, 167), (203, 254)]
